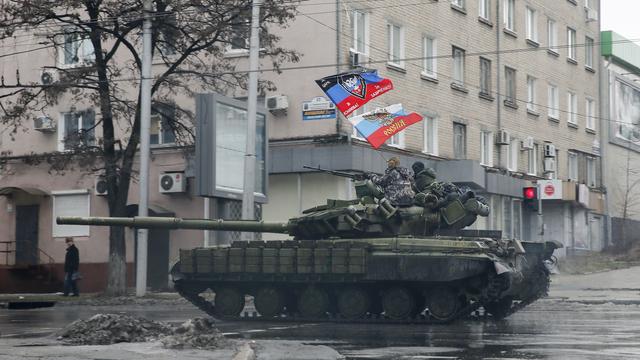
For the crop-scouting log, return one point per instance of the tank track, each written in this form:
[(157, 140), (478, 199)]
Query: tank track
[(540, 285)]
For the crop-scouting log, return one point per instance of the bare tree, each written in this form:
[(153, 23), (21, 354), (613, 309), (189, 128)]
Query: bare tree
[(190, 39)]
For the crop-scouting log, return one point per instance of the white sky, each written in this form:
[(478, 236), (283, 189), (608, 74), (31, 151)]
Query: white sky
[(621, 16)]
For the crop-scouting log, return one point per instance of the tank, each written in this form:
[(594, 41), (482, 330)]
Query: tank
[(361, 259)]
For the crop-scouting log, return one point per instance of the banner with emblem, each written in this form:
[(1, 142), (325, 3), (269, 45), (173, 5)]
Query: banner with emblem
[(350, 90), (379, 125)]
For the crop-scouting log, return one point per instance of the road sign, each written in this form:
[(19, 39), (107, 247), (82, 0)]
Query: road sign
[(551, 189)]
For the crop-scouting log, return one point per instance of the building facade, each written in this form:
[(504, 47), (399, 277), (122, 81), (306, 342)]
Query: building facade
[(508, 90), (620, 109)]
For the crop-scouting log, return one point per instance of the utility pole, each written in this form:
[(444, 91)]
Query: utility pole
[(250, 152), (145, 122), (540, 218)]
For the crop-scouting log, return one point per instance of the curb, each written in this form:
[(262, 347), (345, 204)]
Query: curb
[(245, 352)]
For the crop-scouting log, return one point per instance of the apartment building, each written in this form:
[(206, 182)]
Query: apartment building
[(509, 93), (508, 90), (621, 151)]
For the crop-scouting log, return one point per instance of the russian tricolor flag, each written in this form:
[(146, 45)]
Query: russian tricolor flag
[(350, 90), (379, 125)]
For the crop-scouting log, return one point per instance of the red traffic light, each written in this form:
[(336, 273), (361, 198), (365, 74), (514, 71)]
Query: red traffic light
[(530, 193)]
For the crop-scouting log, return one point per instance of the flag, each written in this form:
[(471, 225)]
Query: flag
[(350, 90), (379, 125)]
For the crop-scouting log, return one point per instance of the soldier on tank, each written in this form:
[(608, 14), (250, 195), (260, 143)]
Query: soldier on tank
[(396, 183), (422, 177)]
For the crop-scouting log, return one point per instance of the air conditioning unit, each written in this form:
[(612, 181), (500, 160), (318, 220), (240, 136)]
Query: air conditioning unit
[(591, 14), (100, 186), (503, 137), (172, 183), (549, 150), (277, 103), (357, 59), (527, 143), (549, 165), (49, 76), (44, 124)]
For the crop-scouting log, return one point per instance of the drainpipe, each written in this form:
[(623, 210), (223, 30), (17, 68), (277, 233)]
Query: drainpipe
[(498, 78), (604, 98), (338, 56)]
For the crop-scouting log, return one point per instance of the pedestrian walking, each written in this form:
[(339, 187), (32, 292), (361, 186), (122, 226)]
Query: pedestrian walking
[(71, 264)]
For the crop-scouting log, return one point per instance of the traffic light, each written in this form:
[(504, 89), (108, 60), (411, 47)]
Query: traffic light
[(530, 195)]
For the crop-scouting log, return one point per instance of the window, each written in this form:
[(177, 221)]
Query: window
[(509, 15), (360, 21), (430, 53), (396, 140), (588, 49), (510, 82), (517, 219), (512, 156), (459, 141), (395, 39), (572, 107), (162, 122), (532, 169), (571, 43), (554, 102), (552, 35), (76, 130), (240, 32), (531, 93), (458, 66), (167, 36), (485, 76), (430, 133), (458, 3), (76, 49), (532, 24), (506, 217), (70, 203), (591, 171), (590, 114), (484, 9), (572, 167), (486, 148)]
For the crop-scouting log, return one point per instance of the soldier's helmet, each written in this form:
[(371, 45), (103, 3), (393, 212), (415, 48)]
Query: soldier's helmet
[(417, 167)]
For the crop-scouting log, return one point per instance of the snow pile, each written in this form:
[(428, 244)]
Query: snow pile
[(198, 333), (105, 329)]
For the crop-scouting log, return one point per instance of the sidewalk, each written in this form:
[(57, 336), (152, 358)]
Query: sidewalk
[(616, 286)]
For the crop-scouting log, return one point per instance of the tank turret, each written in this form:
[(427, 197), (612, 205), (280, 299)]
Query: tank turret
[(370, 215)]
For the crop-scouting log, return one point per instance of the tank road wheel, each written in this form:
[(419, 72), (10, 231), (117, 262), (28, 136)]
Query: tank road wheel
[(313, 302), (269, 301), (353, 303), (398, 303), (443, 303), (229, 301), (499, 309)]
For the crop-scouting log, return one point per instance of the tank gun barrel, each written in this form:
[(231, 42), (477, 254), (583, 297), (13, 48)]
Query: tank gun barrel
[(178, 223)]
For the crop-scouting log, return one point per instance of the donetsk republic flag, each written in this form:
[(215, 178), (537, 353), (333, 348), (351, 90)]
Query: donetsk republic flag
[(379, 125), (350, 90)]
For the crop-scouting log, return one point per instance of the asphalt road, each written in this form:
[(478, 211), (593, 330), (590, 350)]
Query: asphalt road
[(588, 317)]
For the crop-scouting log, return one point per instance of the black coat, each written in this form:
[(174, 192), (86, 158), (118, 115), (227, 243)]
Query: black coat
[(72, 259)]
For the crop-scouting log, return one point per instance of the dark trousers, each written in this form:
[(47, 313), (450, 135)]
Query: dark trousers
[(70, 285)]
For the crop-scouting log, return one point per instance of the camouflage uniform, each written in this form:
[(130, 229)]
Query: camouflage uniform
[(396, 184)]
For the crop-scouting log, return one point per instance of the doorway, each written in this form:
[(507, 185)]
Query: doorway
[(27, 234)]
